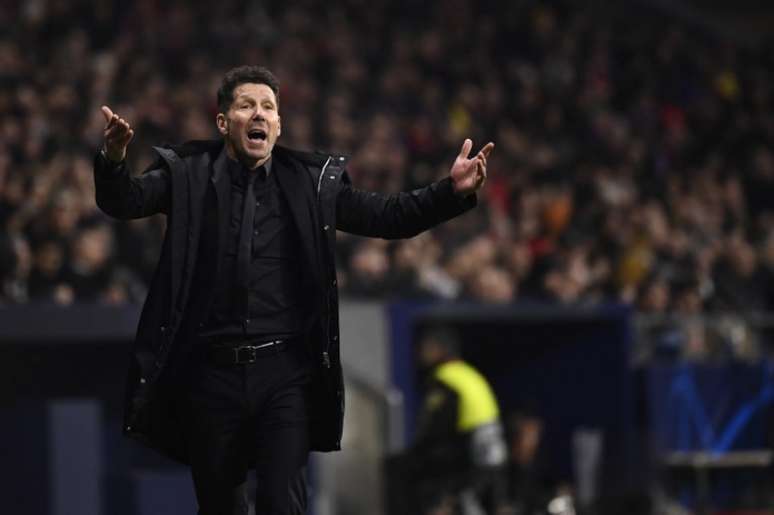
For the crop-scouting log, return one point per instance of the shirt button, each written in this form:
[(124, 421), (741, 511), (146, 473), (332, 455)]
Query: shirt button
[(142, 380), (334, 282), (255, 232), (247, 321), (258, 204), (325, 228)]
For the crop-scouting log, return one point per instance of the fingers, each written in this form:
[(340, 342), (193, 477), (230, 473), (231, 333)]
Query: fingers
[(482, 154), (487, 149), (481, 158), (107, 113), (481, 170), (117, 127), (467, 145), (480, 174), (123, 138), (118, 133), (115, 124)]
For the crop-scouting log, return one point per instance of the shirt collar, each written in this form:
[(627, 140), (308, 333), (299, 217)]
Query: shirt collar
[(237, 170)]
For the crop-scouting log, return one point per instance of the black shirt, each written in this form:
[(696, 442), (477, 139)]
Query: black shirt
[(257, 293)]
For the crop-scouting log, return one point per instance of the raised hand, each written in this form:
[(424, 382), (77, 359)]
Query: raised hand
[(469, 174), (118, 133)]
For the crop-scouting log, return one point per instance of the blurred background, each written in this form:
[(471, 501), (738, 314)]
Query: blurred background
[(614, 287)]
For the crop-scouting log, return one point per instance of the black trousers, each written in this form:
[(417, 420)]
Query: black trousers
[(233, 412)]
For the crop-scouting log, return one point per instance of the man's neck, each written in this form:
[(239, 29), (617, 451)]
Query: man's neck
[(250, 165)]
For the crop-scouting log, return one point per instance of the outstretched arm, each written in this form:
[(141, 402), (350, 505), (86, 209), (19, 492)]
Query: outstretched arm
[(406, 214), (118, 193)]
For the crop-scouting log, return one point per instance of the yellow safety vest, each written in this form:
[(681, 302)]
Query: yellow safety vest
[(477, 403)]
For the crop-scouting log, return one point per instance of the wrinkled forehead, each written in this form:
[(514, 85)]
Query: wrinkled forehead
[(254, 91)]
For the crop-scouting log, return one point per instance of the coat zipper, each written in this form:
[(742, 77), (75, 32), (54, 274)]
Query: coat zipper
[(326, 359), (319, 179)]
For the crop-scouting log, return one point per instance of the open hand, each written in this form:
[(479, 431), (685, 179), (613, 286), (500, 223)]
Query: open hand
[(118, 133), (469, 174)]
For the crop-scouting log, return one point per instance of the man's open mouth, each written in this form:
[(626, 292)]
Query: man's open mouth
[(256, 134)]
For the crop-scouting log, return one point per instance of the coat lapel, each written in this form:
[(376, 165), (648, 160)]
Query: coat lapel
[(222, 184), (297, 187), (178, 222)]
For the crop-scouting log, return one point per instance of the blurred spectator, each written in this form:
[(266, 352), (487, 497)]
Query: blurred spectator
[(492, 284), (47, 281), (8, 265), (369, 268), (529, 485), (739, 281), (655, 296), (15, 284), (88, 271)]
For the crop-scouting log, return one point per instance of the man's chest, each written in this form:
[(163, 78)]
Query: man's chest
[(259, 212)]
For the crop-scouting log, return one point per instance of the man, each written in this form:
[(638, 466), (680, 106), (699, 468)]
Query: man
[(459, 453), (236, 359)]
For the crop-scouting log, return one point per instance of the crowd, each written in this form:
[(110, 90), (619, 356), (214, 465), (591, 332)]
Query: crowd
[(634, 159)]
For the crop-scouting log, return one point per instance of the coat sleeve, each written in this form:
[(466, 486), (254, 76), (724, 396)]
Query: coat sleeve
[(400, 215), (125, 197)]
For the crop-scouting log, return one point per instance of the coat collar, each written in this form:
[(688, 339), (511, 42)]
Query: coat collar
[(220, 169)]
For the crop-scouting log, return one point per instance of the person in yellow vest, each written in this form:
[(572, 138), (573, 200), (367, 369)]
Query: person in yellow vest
[(459, 451)]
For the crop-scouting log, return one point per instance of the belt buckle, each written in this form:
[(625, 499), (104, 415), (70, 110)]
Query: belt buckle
[(250, 354)]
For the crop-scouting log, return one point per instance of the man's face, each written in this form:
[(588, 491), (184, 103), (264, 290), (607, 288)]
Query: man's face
[(430, 353), (251, 125)]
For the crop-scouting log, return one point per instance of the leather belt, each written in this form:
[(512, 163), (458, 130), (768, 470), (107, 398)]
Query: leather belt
[(244, 354)]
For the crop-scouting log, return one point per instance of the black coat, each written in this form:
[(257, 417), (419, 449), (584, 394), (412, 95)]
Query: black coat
[(185, 184)]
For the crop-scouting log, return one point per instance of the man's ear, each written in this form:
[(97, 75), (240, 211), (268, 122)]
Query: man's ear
[(279, 126), (222, 122)]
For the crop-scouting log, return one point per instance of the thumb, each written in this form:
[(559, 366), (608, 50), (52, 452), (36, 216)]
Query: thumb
[(108, 113), (465, 150)]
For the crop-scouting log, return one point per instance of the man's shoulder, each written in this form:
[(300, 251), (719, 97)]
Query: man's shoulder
[(195, 147), (316, 158)]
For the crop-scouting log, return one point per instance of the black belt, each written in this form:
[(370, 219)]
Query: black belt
[(221, 354)]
